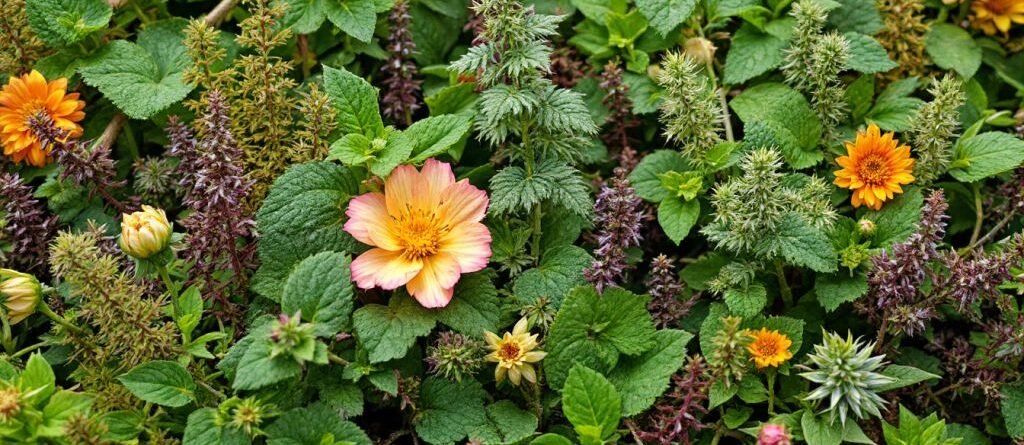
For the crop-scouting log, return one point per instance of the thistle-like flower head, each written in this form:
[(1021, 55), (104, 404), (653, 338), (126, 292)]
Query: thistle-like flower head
[(848, 377)]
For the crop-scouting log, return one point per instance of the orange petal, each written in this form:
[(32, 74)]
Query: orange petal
[(470, 245), (435, 284), (384, 268), (462, 203)]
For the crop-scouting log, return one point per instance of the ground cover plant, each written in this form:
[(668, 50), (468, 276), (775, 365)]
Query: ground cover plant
[(547, 222)]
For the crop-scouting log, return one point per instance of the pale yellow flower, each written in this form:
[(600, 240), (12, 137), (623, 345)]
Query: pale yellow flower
[(20, 294), (145, 233), (514, 354)]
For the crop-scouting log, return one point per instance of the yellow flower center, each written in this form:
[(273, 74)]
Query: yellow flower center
[(419, 234), (10, 399), (766, 347), (509, 351), (873, 170)]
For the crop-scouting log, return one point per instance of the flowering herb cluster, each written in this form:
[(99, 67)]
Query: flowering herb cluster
[(708, 222)]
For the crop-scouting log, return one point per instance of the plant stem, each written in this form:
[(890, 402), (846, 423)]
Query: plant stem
[(787, 293), (771, 392), (8, 342), (45, 310), (172, 288), (979, 213), (211, 390), (334, 358), (28, 349)]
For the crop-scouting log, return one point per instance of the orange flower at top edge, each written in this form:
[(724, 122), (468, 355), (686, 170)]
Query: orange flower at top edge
[(874, 168), (24, 97), (426, 233), (769, 348), (992, 15)]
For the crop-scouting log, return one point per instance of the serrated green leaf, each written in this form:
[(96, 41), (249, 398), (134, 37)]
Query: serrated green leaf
[(310, 426), (64, 22), (805, 246), (897, 219), (905, 376), (1013, 409), (354, 101), (590, 400), (560, 269), (860, 16), (387, 332), (677, 217), (321, 287), (666, 15), (952, 48), (506, 424), (645, 177), (61, 407), (474, 307), (640, 380), (987, 154), (449, 411), (594, 329), (356, 18), (751, 54), (303, 215), (867, 55), (779, 103), (746, 302), (837, 288), (436, 135), (162, 382)]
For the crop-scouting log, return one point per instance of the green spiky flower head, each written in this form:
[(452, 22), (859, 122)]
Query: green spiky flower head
[(848, 377)]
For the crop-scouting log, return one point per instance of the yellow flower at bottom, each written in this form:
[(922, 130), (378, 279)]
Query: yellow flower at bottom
[(769, 348), (23, 98), (874, 168), (514, 353), (992, 15)]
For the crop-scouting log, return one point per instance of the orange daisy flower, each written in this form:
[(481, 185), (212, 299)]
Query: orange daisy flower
[(26, 96), (992, 15), (769, 348), (874, 168), (426, 233)]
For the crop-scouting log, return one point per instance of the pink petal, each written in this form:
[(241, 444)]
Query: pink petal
[(470, 245), (437, 177), (367, 214), (387, 269), (463, 202), (434, 285)]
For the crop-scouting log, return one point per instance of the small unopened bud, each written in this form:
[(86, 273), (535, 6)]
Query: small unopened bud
[(10, 402), (866, 227), (145, 233), (20, 292), (700, 49), (773, 434)]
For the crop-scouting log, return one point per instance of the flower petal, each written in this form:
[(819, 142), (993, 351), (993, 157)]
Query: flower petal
[(469, 244), (434, 285), (384, 268)]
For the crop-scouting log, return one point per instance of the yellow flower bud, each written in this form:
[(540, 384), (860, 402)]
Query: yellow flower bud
[(21, 293), (145, 233), (866, 227), (700, 49)]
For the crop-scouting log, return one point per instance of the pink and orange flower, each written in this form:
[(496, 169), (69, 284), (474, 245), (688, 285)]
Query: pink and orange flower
[(426, 233)]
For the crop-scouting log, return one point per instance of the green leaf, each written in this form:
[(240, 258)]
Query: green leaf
[(591, 403), (897, 219), (666, 15), (594, 329), (202, 429), (791, 327), (805, 246), (985, 155), (474, 307), (356, 18), (62, 405), (746, 302), (560, 269), (256, 367), (453, 99), (145, 77), (837, 288), (677, 217), (353, 149), (645, 177), (38, 377), (395, 152), (311, 426), (820, 431), (551, 439), (776, 102), (321, 287), (752, 53), (952, 48), (894, 114), (859, 16), (640, 380), (436, 135), (162, 382), (449, 411), (304, 16), (124, 425), (905, 376), (303, 215), (63, 22), (354, 101), (387, 332), (1013, 409), (506, 424), (867, 55)]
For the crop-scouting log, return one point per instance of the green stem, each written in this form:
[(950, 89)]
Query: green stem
[(771, 392), (219, 395), (334, 358), (787, 294), (172, 287), (28, 349), (139, 12), (8, 342), (536, 213), (979, 213), (45, 310)]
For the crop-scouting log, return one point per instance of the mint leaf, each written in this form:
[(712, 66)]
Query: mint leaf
[(474, 307), (860, 16), (387, 332), (746, 302), (837, 288), (354, 101), (640, 380), (645, 179), (1013, 409), (560, 269), (897, 219), (304, 16), (593, 330), (63, 22), (356, 18), (145, 77), (805, 246), (303, 215), (952, 48), (311, 426), (677, 217), (905, 376), (321, 287), (161, 382), (506, 424), (778, 103), (867, 55), (591, 404), (751, 54), (985, 155), (665, 15), (437, 135), (61, 406), (449, 411)]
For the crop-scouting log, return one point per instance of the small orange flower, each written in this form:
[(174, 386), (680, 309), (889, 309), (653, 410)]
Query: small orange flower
[(874, 168), (992, 15), (426, 233), (769, 348), (26, 96)]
